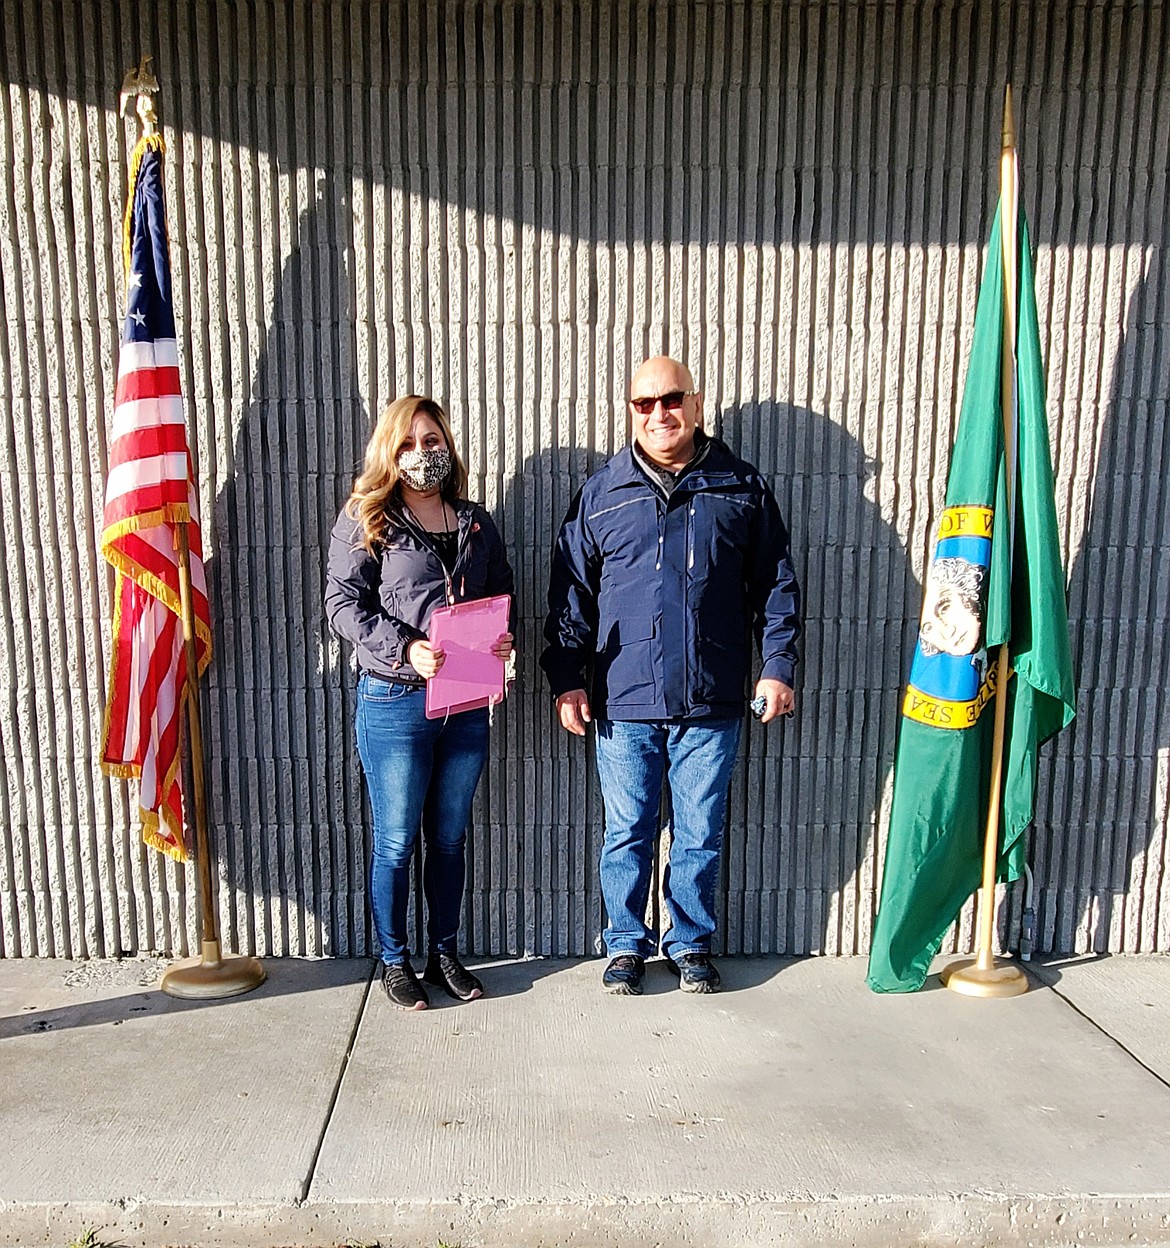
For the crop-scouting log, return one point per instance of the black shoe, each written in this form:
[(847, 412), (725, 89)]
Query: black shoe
[(696, 972), (402, 986), (623, 976), (445, 971)]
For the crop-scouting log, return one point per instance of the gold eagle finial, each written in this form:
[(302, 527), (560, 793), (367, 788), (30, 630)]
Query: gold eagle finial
[(141, 83)]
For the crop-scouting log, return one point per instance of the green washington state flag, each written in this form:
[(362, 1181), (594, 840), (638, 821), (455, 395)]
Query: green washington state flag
[(978, 595)]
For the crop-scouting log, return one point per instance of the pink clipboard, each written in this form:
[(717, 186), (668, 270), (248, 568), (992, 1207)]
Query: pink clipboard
[(471, 676)]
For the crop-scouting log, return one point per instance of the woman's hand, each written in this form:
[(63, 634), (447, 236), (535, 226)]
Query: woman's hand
[(424, 658), (502, 646)]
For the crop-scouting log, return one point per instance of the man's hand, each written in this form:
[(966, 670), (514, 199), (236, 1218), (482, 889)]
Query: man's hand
[(424, 659), (573, 708), (502, 646), (778, 699)]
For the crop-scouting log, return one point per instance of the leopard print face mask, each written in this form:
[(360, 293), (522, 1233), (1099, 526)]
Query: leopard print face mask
[(424, 468)]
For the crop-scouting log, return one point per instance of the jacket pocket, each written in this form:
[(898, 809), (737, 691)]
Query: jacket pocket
[(723, 661), (626, 663), (375, 689)]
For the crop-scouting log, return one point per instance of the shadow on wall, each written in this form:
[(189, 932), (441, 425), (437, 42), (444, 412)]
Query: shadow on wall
[(1101, 860), (285, 800), (288, 806), (805, 794), (532, 856)]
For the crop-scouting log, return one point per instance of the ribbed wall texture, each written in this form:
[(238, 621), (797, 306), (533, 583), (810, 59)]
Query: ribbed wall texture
[(508, 206)]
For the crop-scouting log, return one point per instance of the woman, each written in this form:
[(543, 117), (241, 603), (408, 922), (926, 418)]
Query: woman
[(406, 542)]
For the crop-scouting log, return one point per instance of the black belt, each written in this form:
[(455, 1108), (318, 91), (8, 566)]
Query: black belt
[(411, 682)]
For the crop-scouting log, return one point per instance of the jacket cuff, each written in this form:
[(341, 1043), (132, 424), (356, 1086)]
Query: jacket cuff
[(563, 677), (779, 669), (409, 637)]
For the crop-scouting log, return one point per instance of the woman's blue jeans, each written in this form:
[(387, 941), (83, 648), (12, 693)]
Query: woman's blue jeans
[(421, 773), (633, 760)]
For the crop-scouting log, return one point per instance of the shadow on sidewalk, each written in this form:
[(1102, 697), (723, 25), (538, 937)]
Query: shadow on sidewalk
[(286, 976), (512, 978), (1047, 970)]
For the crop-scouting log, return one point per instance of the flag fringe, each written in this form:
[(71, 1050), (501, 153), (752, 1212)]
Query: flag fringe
[(159, 589), (157, 840), (172, 842), (169, 513), (119, 771), (111, 686), (177, 841)]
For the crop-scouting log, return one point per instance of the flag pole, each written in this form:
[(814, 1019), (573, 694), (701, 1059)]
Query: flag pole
[(210, 975), (985, 976)]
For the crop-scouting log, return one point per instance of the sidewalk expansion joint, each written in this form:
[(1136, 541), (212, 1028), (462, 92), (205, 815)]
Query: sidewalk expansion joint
[(1072, 1005), (307, 1186)]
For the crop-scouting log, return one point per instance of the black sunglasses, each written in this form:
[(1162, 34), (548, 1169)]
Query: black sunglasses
[(672, 401)]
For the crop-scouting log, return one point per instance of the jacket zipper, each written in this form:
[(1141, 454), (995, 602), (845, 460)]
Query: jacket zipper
[(690, 533), (465, 537), (661, 506), (423, 537)]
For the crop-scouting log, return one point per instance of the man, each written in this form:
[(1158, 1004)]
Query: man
[(669, 556)]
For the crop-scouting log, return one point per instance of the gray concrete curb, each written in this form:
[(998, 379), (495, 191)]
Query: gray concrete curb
[(954, 1221)]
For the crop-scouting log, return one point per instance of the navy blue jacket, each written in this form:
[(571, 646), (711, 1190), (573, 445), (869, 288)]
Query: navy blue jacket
[(382, 601), (652, 602)]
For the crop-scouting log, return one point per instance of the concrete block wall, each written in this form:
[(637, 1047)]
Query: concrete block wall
[(508, 205)]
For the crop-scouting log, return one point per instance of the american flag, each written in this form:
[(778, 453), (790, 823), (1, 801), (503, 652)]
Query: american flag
[(150, 490)]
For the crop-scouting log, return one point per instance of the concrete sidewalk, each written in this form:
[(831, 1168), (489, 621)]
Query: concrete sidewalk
[(796, 1108)]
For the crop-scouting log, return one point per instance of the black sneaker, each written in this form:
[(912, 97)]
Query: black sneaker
[(696, 972), (402, 986), (445, 971), (623, 976)]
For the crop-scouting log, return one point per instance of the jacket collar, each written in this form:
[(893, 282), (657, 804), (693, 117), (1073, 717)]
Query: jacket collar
[(464, 523), (462, 509), (717, 468), (663, 480)]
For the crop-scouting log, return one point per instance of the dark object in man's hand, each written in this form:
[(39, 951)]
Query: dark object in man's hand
[(759, 705)]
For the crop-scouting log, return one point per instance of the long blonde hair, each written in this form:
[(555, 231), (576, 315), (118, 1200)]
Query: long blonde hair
[(377, 487)]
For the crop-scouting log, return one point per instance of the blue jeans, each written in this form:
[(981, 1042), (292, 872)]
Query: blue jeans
[(420, 773), (633, 758)]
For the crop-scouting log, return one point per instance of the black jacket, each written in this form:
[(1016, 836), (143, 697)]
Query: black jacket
[(656, 598), (383, 601)]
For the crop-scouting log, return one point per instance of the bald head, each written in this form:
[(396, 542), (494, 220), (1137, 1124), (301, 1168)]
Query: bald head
[(665, 409), (660, 374)]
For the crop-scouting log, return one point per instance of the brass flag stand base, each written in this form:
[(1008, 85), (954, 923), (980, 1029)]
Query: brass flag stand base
[(212, 975), (980, 977)]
